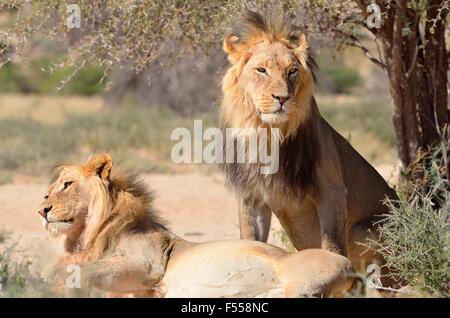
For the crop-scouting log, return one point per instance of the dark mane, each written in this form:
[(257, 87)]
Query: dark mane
[(312, 64), (299, 157), (132, 184), (271, 22)]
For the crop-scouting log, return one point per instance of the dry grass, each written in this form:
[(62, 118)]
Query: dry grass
[(51, 110), (38, 131)]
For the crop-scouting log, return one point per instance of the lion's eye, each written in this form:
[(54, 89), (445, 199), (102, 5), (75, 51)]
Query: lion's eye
[(261, 70), (45, 197), (67, 184), (293, 71)]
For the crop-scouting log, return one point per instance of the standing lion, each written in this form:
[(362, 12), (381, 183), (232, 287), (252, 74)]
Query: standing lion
[(324, 193)]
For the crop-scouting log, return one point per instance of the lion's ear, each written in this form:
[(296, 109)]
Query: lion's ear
[(100, 164), (231, 47), (297, 40)]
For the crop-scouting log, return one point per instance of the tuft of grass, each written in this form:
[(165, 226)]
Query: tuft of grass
[(284, 240), (5, 177), (13, 274), (3, 236), (16, 279)]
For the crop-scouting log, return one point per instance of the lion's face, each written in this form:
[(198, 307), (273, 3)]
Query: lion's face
[(66, 204), (65, 207), (270, 79)]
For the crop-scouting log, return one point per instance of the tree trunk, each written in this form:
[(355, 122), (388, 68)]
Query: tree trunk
[(417, 65)]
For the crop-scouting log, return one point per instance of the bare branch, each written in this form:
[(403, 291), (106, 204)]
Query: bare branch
[(368, 54), (354, 42), (72, 75)]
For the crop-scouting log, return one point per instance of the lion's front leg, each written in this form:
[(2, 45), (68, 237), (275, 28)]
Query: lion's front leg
[(254, 219), (333, 220), (118, 275), (121, 275), (332, 196)]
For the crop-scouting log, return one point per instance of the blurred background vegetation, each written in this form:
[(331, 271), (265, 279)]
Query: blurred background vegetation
[(40, 125), (51, 111)]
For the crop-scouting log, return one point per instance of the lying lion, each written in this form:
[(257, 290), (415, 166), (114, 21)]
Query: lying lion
[(111, 230)]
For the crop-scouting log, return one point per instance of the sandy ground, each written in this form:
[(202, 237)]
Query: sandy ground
[(197, 207)]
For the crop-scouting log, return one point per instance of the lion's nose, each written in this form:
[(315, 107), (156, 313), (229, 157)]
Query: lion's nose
[(281, 99), (45, 211)]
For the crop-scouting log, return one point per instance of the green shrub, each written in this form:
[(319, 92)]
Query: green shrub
[(35, 77), (416, 236), (334, 76), (341, 78), (12, 79), (85, 82)]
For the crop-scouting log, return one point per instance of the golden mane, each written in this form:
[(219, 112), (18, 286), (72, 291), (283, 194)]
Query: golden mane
[(124, 205), (236, 110), (299, 151), (254, 27)]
